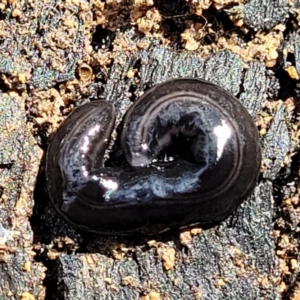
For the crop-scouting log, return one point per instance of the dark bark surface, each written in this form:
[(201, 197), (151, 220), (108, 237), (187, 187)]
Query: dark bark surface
[(42, 257)]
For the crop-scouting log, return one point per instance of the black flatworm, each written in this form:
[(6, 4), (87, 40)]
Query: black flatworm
[(212, 168)]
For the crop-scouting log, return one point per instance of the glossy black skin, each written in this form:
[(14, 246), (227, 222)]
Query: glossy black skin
[(148, 196)]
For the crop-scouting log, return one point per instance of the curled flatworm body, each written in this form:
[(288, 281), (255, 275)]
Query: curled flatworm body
[(211, 168)]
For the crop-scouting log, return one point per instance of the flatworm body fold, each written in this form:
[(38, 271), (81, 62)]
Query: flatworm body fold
[(213, 166)]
